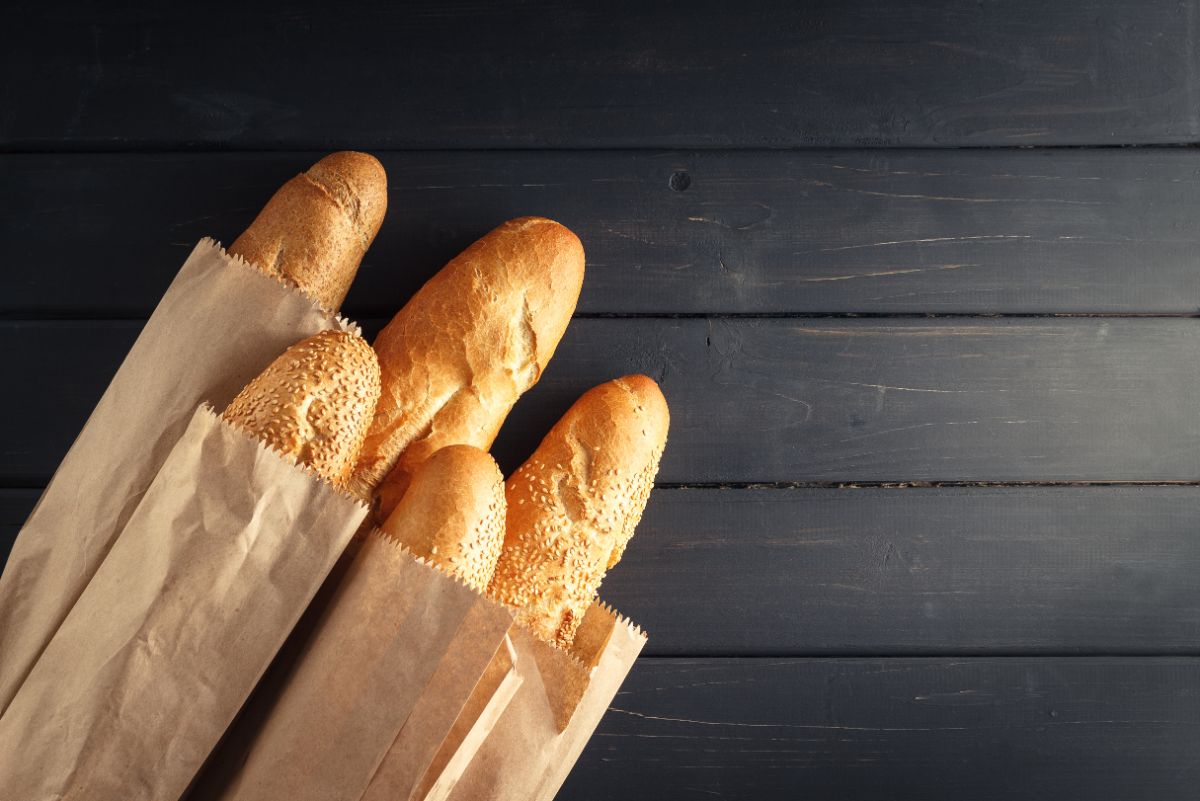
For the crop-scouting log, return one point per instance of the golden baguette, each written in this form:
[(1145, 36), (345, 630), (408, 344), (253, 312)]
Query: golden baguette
[(315, 230), (453, 513), (455, 359), (314, 402), (574, 505)]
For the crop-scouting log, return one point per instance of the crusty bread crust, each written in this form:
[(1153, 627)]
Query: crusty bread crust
[(314, 402), (574, 505), (453, 513), (315, 230), (455, 359)]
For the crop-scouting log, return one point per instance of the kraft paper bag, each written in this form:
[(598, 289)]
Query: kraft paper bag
[(219, 324), (541, 732), (491, 697), (508, 727), (206, 580), (383, 672)]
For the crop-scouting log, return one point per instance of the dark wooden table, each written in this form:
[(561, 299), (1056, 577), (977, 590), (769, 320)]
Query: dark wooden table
[(919, 280)]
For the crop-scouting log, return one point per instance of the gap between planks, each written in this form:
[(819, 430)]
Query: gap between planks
[(379, 322), (786, 485), (180, 148)]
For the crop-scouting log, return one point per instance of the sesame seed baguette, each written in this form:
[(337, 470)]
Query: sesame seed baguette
[(574, 505), (455, 359), (314, 402), (453, 513), (315, 230)]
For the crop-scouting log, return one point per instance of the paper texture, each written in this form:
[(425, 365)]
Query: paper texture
[(218, 325), (190, 605), (384, 671), (562, 697), (168, 560), (491, 697)]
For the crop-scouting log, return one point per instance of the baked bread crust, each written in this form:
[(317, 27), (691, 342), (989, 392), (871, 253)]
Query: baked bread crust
[(314, 402), (315, 230), (453, 514), (455, 359), (573, 506)]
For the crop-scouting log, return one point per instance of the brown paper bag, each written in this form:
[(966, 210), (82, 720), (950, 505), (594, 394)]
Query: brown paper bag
[(204, 583), (443, 707), (542, 731), (385, 670), (515, 736), (475, 722), (218, 325)]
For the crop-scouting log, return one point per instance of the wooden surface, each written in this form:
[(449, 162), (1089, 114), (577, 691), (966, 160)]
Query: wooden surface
[(447, 73), (926, 524), (847, 231), (961, 570), (786, 400), (881, 729)]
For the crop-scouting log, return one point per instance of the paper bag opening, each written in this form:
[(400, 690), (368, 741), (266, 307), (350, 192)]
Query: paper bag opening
[(380, 678), (217, 326), (179, 622), (540, 734)]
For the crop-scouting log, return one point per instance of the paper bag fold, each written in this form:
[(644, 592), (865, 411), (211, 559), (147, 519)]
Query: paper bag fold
[(219, 324), (191, 603), (541, 733), (475, 722), (386, 668)]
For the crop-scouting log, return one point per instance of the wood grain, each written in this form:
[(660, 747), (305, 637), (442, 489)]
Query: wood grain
[(829, 400), (883, 642), (806, 572), (893, 730), (968, 231), (1013, 570), (441, 74)]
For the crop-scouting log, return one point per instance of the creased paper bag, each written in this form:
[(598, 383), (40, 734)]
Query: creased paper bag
[(218, 325), (475, 722), (384, 670), (204, 583), (541, 733)]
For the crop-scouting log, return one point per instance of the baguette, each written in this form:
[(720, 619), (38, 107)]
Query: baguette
[(314, 231), (573, 506), (314, 402), (453, 513), (455, 359)]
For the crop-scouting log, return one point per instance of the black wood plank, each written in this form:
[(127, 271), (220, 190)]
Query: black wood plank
[(893, 730), (1009, 570), (825, 231), (15, 506), (1059, 399), (797, 572), (551, 74)]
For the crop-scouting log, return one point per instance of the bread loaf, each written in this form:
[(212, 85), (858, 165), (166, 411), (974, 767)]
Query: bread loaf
[(453, 513), (316, 228), (574, 505), (314, 402), (455, 359)]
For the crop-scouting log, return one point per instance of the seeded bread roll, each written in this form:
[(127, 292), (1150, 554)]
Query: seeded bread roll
[(574, 505), (314, 402), (316, 228), (455, 359), (453, 513)]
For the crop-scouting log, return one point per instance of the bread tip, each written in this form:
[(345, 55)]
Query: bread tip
[(641, 385), (313, 402), (358, 184), (363, 166), (565, 241), (465, 460), (647, 394)]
